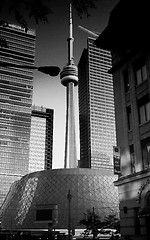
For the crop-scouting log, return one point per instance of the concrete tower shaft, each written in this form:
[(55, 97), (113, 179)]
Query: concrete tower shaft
[(69, 79)]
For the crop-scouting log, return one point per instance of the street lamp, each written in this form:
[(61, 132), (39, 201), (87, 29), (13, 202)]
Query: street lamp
[(69, 197), (51, 70)]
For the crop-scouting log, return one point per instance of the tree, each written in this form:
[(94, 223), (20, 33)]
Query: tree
[(91, 221), (83, 6), (39, 10), (111, 221)]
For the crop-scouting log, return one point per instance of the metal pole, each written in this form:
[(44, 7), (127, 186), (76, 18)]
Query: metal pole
[(93, 224), (69, 214)]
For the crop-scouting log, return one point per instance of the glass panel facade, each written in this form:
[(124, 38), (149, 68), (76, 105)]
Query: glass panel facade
[(96, 108), (41, 139), (16, 87), (88, 188), (37, 144)]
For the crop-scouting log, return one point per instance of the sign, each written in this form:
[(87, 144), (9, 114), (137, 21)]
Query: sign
[(47, 213), (117, 160), (17, 27), (22, 29)]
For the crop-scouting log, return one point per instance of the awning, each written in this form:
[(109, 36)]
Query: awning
[(144, 212)]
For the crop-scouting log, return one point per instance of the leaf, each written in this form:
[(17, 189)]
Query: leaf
[(83, 6), (38, 10), (20, 19), (2, 3)]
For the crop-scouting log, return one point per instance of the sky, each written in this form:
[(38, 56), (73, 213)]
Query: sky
[(51, 49)]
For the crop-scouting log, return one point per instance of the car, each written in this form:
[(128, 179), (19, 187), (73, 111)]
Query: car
[(102, 235), (86, 233), (108, 233)]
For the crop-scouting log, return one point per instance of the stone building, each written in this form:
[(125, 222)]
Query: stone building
[(127, 37)]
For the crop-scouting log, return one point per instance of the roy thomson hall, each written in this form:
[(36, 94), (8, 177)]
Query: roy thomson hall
[(127, 37)]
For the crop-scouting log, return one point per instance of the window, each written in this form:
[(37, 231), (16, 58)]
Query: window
[(129, 118), (144, 112), (141, 72), (44, 215), (148, 199), (145, 145), (144, 109), (132, 158), (137, 221), (126, 80)]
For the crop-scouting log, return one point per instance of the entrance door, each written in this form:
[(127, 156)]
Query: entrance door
[(148, 227)]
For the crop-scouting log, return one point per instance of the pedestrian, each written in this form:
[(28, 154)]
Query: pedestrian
[(112, 237)]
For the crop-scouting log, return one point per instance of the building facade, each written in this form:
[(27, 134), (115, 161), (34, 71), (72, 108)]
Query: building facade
[(131, 72), (16, 86), (41, 139), (43, 190), (96, 108)]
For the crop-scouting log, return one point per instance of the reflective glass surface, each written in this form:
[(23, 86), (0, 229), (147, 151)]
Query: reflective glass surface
[(16, 86), (96, 108), (88, 188)]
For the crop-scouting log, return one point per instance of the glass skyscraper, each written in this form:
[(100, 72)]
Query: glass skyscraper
[(41, 139), (96, 108), (16, 86)]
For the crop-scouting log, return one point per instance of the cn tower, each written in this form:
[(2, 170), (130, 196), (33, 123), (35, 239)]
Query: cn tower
[(69, 79)]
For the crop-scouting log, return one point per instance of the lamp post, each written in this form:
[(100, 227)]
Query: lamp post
[(50, 70), (69, 197), (93, 220)]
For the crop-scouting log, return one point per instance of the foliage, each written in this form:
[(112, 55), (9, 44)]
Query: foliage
[(83, 6), (111, 221), (91, 221), (39, 10)]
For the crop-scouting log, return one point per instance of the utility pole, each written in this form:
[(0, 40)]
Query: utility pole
[(93, 224), (69, 197)]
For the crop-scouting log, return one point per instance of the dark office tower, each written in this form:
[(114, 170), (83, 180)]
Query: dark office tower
[(96, 108), (16, 86), (41, 139)]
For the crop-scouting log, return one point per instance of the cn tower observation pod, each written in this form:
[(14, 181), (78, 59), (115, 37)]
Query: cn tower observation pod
[(69, 74)]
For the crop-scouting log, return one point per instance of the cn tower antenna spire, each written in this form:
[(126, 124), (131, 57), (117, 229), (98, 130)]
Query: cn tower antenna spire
[(69, 79), (70, 39)]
